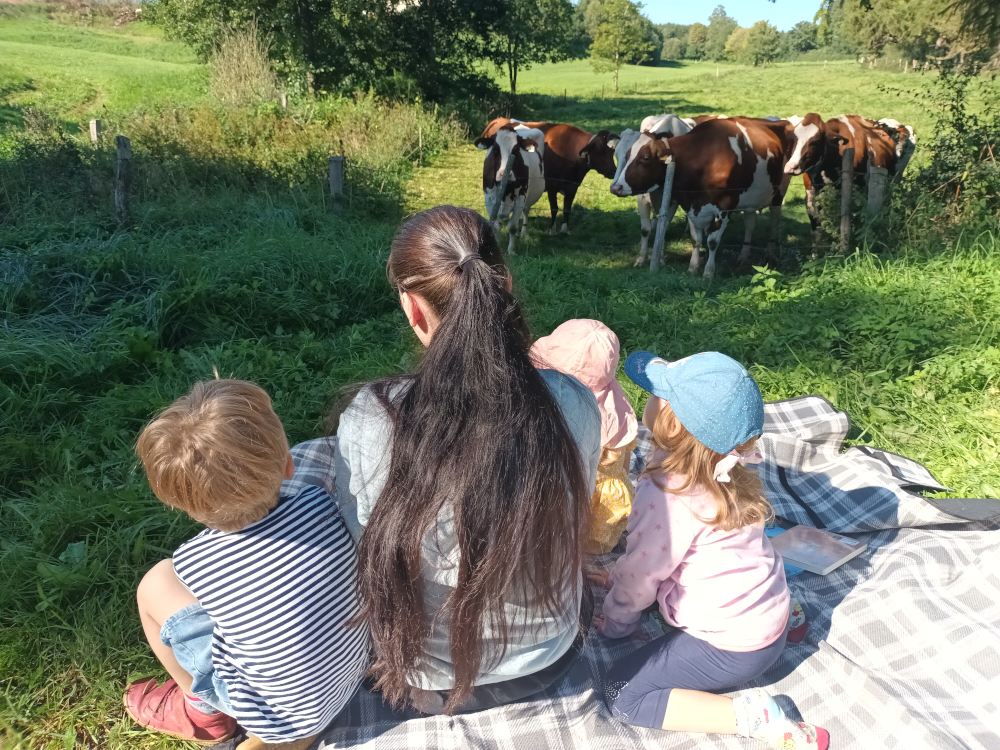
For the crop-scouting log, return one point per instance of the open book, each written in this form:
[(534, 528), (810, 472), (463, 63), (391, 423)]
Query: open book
[(816, 550)]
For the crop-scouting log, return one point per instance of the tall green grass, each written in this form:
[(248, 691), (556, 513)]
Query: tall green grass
[(235, 261)]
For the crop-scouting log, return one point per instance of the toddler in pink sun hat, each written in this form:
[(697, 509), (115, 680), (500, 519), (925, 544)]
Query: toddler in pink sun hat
[(589, 351)]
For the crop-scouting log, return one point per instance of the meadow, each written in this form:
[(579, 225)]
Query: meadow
[(234, 261)]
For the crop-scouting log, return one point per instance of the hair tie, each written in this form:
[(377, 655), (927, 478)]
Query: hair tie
[(467, 258), (722, 469)]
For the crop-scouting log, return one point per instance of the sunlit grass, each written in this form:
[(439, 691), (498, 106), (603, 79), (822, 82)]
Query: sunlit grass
[(228, 266)]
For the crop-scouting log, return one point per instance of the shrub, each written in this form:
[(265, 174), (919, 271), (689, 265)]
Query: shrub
[(240, 71), (961, 182)]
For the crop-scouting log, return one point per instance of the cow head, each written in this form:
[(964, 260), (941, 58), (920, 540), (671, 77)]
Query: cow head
[(600, 153), (644, 168), (807, 143), (501, 147)]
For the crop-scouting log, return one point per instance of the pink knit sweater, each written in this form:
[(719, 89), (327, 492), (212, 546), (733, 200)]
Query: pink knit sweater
[(725, 587)]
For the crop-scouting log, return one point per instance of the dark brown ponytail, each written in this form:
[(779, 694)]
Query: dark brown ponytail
[(477, 431)]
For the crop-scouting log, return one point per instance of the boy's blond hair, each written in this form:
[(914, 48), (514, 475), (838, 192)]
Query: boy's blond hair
[(218, 453), (740, 501)]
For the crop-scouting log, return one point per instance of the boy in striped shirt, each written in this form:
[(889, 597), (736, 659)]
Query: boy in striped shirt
[(250, 617)]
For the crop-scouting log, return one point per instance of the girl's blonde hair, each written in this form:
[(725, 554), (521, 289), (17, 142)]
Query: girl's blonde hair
[(740, 501)]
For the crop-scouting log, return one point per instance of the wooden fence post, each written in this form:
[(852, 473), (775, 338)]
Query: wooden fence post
[(662, 219), (878, 178), (420, 145), (124, 182), (95, 131), (846, 190), (284, 100), (337, 182)]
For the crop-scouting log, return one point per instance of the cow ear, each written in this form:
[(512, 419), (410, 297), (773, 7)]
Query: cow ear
[(485, 143), (839, 140), (660, 149), (613, 139), (528, 144), (585, 151)]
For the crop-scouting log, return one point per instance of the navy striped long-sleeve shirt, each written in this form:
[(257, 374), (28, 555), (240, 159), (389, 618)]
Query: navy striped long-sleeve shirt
[(281, 592)]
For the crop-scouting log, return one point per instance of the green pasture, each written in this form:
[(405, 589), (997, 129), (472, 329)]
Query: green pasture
[(78, 72), (222, 267)]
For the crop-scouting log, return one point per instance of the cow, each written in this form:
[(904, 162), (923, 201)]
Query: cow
[(906, 143), (569, 154), (521, 152), (885, 144), (723, 165), (666, 125)]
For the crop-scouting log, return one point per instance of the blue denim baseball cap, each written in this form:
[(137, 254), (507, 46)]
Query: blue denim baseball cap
[(712, 395)]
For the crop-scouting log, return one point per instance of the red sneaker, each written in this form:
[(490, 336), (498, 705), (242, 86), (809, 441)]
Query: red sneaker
[(165, 709)]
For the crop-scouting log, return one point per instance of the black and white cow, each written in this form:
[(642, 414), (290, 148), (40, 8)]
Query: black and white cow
[(520, 150)]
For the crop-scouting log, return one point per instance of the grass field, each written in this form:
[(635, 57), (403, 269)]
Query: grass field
[(79, 71), (102, 325)]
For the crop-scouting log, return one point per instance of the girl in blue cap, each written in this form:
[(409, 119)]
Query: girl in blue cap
[(696, 546)]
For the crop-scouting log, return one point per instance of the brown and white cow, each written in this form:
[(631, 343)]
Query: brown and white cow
[(521, 152), (723, 165), (569, 154), (906, 143), (663, 126), (885, 144)]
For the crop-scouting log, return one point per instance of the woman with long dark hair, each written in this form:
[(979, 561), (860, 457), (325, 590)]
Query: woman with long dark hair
[(467, 483)]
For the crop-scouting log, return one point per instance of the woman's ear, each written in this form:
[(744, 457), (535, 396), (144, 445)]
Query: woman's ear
[(289, 467), (415, 309), (509, 283)]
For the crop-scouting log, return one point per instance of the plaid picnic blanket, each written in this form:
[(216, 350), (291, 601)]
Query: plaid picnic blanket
[(903, 648)]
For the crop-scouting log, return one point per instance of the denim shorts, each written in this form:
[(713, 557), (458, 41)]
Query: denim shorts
[(188, 632)]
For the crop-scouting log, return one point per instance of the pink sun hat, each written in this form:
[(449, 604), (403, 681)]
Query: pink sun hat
[(589, 351)]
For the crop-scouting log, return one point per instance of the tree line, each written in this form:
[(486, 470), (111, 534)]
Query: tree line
[(449, 50)]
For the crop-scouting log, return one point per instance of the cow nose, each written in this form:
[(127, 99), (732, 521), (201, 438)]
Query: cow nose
[(499, 174), (792, 169), (616, 189)]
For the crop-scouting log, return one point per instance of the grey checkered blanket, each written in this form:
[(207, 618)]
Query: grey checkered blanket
[(903, 648)]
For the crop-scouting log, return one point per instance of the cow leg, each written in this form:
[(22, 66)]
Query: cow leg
[(524, 221), (813, 213), (568, 197), (553, 209), (714, 238), (696, 239), (515, 217), (749, 222), (644, 205)]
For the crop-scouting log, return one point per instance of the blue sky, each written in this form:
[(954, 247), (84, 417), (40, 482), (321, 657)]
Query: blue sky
[(784, 13)]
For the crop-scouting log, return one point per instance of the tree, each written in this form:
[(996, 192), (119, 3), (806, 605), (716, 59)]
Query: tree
[(801, 37), (697, 38), (738, 45), (938, 29), (674, 31), (763, 43), (620, 37), (529, 32), (592, 12), (673, 49), (720, 26), (655, 38)]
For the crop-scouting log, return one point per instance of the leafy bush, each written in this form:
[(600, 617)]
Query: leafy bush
[(959, 187)]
